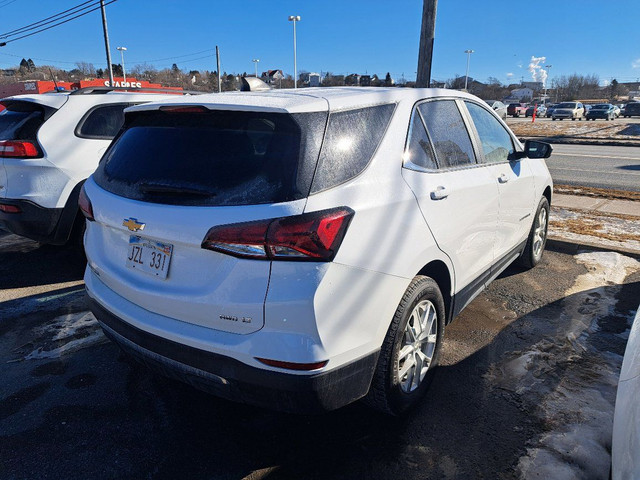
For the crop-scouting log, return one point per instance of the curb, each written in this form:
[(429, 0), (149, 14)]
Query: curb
[(571, 247), (579, 141)]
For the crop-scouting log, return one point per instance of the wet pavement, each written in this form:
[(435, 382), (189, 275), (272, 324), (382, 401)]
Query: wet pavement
[(520, 367)]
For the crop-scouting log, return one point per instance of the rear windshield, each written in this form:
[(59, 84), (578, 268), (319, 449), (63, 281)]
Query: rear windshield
[(21, 120), (567, 105), (213, 158)]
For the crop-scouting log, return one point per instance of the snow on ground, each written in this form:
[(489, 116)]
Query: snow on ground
[(569, 384), (604, 229), (65, 334)]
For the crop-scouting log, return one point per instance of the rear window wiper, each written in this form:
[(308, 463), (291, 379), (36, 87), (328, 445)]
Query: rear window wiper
[(174, 189)]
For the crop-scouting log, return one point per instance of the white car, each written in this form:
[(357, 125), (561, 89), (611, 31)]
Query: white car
[(49, 144), (303, 249), (625, 463)]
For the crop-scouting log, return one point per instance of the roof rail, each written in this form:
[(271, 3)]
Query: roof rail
[(104, 90)]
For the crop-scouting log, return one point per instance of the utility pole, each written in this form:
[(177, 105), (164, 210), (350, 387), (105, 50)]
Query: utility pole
[(106, 42), (427, 35), (219, 72)]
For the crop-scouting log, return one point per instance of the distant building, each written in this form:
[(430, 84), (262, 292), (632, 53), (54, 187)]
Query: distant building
[(43, 86), (518, 94), (310, 79), (272, 76), (535, 86), (365, 80), (634, 94)]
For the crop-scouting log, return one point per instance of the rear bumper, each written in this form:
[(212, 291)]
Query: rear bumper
[(33, 221), (231, 379)]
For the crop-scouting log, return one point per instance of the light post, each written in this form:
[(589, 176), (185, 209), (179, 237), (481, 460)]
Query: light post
[(124, 73), (545, 82), (294, 19), (466, 77), (255, 61)]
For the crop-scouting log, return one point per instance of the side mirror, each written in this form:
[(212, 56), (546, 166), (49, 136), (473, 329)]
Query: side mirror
[(535, 149), (532, 149)]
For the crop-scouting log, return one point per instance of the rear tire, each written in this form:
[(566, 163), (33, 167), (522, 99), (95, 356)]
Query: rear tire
[(533, 250), (410, 350)]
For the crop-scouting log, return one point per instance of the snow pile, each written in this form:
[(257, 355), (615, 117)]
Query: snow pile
[(66, 334), (568, 383)]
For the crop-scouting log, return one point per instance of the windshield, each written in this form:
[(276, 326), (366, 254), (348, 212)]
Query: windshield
[(600, 107), (567, 105)]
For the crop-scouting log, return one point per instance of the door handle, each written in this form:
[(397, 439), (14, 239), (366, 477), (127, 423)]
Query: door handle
[(503, 178), (439, 193)]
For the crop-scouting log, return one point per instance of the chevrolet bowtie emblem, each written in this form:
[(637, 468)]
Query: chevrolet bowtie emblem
[(132, 224)]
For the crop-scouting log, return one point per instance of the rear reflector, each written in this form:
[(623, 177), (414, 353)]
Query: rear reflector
[(314, 236), (18, 149), (292, 365), (9, 208), (85, 205)]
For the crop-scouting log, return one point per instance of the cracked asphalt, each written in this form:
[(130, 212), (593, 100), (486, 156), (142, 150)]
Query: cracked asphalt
[(72, 406)]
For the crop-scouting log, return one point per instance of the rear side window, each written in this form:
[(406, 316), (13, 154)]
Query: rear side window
[(213, 157), (102, 122), (21, 120), (351, 140), (448, 133)]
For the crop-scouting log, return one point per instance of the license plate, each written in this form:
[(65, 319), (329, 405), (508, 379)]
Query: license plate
[(148, 256)]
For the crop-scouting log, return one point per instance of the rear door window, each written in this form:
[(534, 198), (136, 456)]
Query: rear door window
[(213, 157), (418, 151), (103, 122), (21, 120), (448, 133)]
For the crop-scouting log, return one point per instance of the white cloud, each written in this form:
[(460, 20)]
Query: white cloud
[(636, 63), (509, 75), (605, 83)]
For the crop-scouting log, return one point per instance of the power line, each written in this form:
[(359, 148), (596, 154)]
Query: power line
[(59, 23), (42, 22), (7, 2)]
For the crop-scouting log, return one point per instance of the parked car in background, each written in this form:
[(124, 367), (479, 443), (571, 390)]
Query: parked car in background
[(625, 461), (49, 144), (604, 111), (498, 107), (550, 110), (540, 111), (570, 110), (304, 250), (632, 109), (616, 110), (516, 109)]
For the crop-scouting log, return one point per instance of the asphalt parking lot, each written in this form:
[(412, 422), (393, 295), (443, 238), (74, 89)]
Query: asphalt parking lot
[(532, 361)]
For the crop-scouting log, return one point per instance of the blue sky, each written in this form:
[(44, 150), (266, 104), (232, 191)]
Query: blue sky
[(356, 36)]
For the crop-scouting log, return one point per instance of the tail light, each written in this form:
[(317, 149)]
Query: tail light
[(314, 236), (292, 365), (18, 149), (85, 204), (6, 208)]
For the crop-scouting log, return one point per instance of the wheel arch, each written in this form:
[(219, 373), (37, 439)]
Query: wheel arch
[(439, 271), (547, 193)]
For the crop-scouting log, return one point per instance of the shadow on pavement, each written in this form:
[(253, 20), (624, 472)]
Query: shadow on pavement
[(26, 263)]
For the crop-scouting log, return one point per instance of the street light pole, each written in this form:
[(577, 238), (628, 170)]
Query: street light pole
[(545, 82), (294, 19), (466, 77), (124, 73), (255, 61)]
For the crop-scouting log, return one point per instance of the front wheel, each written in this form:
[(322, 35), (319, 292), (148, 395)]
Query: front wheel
[(533, 250), (410, 349)]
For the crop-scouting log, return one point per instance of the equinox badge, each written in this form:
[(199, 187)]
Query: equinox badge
[(132, 224)]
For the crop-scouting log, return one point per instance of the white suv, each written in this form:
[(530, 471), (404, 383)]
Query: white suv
[(303, 249), (49, 144)]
